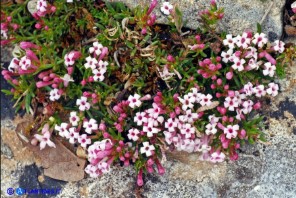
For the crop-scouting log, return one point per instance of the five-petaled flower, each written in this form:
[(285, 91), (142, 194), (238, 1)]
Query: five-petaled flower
[(44, 139), (133, 134), (166, 8), (231, 131), (90, 125)]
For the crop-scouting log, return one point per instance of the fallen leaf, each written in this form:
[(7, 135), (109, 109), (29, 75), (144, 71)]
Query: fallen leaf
[(60, 163), (80, 152)]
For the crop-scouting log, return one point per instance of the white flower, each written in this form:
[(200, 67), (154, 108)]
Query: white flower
[(231, 131), (166, 8), (187, 102), (259, 91), (54, 95), (238, 64), (217, 157), (44, 139), (226, 56), (260, 39), (248, 89), (103, 65), (90, 125), (206, 100), (191, 117), (213, 119), (69, 59), (155, 111), (74, 119), (97, 48), (67, 78), (25, 63), (195, 95), (41, 5), (171, 124), (134, 101), (229, 41), (252, 53), (98, 75), (84, 140), (279, 46), (147, 149), (150, 130), (273, 89), (72, 135), (140, 118), (133, 134), (253, 64), (211, 129), (231, 103), (187, 130), (243, 41), (91, 63), (83, 104), (104, 167), (247, 106), (269, 69), (13, 66), (62, 129)]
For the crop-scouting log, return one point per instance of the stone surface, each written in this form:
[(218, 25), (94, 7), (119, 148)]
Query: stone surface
[(239, 14)]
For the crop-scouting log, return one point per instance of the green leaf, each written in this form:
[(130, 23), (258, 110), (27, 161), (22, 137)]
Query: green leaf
[(28, 102), (129, 44), (178, 19), (7, 92), (259, 28)]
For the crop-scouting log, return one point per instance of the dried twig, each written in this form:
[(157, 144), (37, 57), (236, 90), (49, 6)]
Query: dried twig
[(266, 13)]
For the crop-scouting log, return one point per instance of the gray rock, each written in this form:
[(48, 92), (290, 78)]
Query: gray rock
[(239, 14)]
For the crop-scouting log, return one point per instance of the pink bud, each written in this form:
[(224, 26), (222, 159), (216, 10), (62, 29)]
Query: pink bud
[(201, 63), (144, 31), (170, 58), (126, 163), (34, 142), (219, 81), (222, 110), (237, 146), (38, 26), (229, 75), (218, 95), (172, 115), (9, 18), (28, 45), (150, 162), (212, 67), (53, 9), (207, 61), (118, 149), (257, 106), (160, 168), (178, 110), (197, 38), (55, 86), (218, 58), (220, 126), (70, 70), (220, 15), (157, 99), (103, 53), (213, 2), (200, 114), (224, 118), (102, 127), (149, 169), (52, 75), (86, 94), (146, 97), (46, 78), (294, 10), (83, 82), (90, 79), (231, 93), (31, 55), (238, 53), (213, 86), (214, 77), (106, 135), (242, 134), (234, 156), (270, 58), (122, 158), (219, 66), (231, 119), (15, 26), (226, 87), (140, 181), (15, 82)]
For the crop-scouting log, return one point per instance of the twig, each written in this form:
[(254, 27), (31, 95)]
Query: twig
[(266, 13), (91, 40)]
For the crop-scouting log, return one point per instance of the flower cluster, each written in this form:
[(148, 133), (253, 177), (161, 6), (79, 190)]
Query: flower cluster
[(134, 91)]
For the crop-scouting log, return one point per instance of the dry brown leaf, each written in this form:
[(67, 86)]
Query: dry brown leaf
[(80, 152), (60, 163), (212, 106)]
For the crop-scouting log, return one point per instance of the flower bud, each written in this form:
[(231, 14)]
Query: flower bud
[(170, 58), (229, 75), (257, 106), (140, 181)]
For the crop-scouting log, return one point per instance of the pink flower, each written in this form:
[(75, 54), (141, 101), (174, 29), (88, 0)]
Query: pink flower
[(72, 135), (188, 130), (140, 118), (243, 41), (206, 100), (62, 129), (54, 95), (97, 48), (269, 69), (90, 125), (247, 106), (147, 149), (25, 63), (238, 64), (44, 139), (229, 41), (259, 91), (90, 63), (217, 157), (71, 57), (231, 103), (83, 104), (84, 140), (260, 39), (187, 102), (231, 131), (166, 8), (150, 130), (74, 119), (211, 129), (273, 89), (134, 101), (133, 134)]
